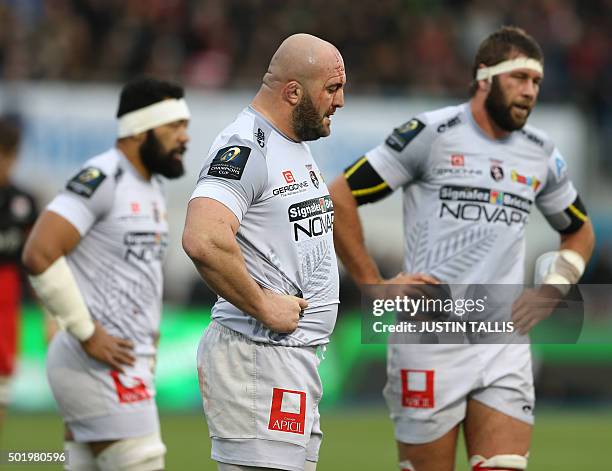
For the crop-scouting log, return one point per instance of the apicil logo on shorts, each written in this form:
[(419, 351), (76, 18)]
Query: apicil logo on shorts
[(288, 411), (417, 388)]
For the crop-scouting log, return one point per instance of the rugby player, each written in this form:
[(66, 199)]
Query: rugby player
[(259, 231), (17, 215), (470, 175), (95, 260)]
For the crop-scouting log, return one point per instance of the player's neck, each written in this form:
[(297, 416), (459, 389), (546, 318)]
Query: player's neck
[(484, 121), (133, 156), (275, 113)]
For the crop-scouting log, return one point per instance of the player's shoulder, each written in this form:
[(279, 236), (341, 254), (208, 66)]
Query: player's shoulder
[(248, 130), (443, 119), (428, 126), (106, 161), (536, 138), (102, 169), (234, 145)]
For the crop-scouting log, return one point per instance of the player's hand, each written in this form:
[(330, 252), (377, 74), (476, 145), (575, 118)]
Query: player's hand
[(282, 312), (403, 284), (113, 351), (533, 306)]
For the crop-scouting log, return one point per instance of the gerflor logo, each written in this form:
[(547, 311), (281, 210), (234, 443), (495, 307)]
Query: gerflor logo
[(288, 411)]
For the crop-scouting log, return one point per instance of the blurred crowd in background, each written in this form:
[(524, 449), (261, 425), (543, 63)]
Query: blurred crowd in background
[(389, 46)]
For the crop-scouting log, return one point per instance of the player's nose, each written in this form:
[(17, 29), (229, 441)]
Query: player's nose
[(530, 89), (338, 99)]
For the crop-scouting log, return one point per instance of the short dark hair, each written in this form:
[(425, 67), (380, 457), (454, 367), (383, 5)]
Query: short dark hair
[(145, 91), (10, 134), (500, 45)]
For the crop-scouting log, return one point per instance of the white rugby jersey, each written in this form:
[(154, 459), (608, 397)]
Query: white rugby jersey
[(274, 187), (124, 235), (467, 197)]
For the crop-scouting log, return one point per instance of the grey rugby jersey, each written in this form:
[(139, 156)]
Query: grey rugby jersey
[(124, 235), (274, 187), (467, 197)]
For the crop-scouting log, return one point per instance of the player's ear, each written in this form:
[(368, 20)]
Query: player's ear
[(292, 92), (140, 137), (483, 85)]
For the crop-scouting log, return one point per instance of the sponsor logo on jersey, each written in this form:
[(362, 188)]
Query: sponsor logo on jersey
[(457, 171), (287, 411), (135, 207), (312, 218), (533, 182), (130, 389), (261, 138), (418, 389), (288, 176), (145, 246), (314, 179), (449, 124), (532, 137), (474, 204), (401, 137), (497, 172), (229, 162), (86, 182), (293, 189), (560, 166), (457, 160)]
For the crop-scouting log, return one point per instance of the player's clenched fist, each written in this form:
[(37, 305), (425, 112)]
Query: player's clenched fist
[(281, 312), (111, 350)]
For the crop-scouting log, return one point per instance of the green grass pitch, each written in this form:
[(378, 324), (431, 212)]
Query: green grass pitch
[(356, 439)]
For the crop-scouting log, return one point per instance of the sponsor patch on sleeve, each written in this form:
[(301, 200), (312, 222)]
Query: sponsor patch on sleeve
[(230, 162), (400, 137), (86, 182)]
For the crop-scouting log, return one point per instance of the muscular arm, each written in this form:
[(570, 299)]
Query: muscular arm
[(581, 241), (348, 235), (209, 239), (51, 238)]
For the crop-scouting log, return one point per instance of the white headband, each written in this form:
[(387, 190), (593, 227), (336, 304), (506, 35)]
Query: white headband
[(149, 117), (487, 73)]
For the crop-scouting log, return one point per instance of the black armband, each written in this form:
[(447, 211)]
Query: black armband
[(570, 220), (366, 185)]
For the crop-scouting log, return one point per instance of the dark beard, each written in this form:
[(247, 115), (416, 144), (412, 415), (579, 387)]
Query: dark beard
[(500, 111), (159, 162), (306, 122)]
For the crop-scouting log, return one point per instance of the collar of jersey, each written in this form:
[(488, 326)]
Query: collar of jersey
[(127, 165), (474, 124), (262, 117)]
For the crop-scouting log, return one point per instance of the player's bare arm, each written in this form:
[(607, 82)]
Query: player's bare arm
[(348, 235), (349, 240), (210, 241), (52, 238)]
